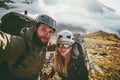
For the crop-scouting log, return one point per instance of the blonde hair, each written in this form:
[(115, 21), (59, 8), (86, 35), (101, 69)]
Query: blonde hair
[(60, 66)]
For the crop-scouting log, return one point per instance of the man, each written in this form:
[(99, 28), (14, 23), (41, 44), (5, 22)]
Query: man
[(22, 57)]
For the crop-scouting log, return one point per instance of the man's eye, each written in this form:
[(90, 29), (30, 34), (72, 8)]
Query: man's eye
[(51, 31), (43, 29)]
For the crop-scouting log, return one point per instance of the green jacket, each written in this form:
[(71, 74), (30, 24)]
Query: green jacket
[(23, 56)]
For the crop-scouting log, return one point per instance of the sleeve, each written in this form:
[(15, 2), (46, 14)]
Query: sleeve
[(4, 39), (11, 47), (52, 72), (46, 76)]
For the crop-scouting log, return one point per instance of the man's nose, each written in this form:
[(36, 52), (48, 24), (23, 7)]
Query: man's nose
[(47, 33)]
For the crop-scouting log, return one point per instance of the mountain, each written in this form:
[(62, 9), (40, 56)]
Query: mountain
[(90, 15), (103, 35), (95, 6), (104, 50), (3, 5)]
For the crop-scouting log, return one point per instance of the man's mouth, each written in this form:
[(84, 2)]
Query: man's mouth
[(44, 39)]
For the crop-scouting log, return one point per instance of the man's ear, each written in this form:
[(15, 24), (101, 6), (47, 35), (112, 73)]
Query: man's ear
[(34, 27)]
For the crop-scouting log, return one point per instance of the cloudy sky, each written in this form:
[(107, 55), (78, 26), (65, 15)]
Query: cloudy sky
[(93, 15), (113, 4), (90, 14)]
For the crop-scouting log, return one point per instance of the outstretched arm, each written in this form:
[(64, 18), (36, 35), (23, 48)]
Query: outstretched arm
[(11, 47)]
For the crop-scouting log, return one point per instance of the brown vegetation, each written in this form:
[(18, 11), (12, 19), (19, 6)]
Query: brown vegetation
[(104, 51)]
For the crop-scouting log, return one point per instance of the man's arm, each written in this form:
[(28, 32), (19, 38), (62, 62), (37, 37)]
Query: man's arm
[(11, 47)]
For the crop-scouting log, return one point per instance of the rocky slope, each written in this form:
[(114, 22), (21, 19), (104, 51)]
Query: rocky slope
[(104, 49)]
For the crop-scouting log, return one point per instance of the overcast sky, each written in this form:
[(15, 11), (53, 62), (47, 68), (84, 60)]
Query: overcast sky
[(113, 4), (92, 15)]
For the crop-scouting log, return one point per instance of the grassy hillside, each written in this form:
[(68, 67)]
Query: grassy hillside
[(104, 51)]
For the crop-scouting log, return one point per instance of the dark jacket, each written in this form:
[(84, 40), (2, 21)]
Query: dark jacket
[(20, 57), (76, 71)]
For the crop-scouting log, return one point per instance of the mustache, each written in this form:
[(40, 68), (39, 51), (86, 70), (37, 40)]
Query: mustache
[(43, 37)]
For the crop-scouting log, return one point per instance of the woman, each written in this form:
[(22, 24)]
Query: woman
[(65, 63)]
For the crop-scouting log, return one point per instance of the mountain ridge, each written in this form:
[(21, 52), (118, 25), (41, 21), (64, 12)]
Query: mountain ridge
[(104, 50)]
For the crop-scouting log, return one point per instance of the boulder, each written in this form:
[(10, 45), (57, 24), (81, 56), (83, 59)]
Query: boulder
[(8, 1), (13, 22), (3, 5)]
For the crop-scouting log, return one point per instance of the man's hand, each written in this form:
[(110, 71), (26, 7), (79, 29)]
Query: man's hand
[(4, 39)]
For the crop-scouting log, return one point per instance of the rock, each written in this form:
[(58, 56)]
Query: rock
[(28, 1), (13, 22), (103, 54), (8, 1), (3, 5)]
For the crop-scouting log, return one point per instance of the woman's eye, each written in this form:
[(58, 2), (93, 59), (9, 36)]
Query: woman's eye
[(42, 28)]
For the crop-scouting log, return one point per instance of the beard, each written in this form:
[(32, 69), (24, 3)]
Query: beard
[(40, 40), (44, 39)]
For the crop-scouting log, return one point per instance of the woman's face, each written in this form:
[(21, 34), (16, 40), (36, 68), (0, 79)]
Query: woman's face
[(64, 48)]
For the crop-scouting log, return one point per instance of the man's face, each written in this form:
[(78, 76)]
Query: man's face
[(44, 33)]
